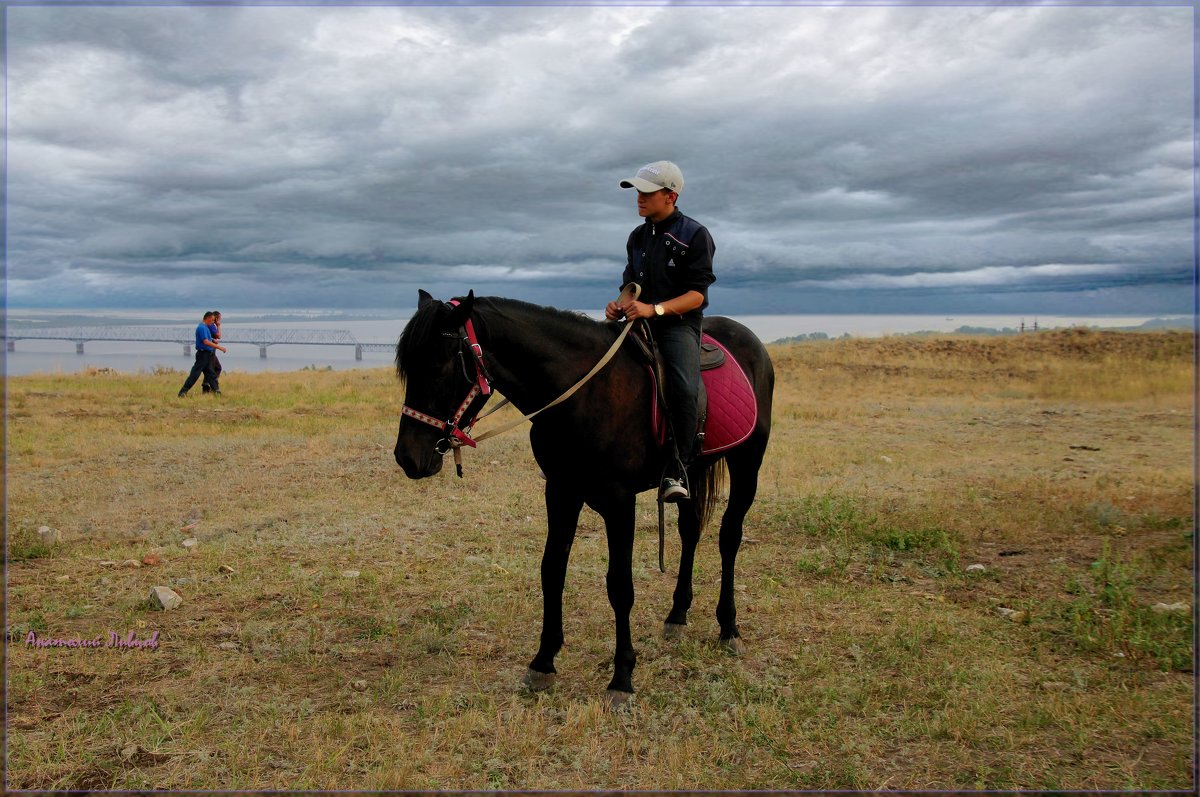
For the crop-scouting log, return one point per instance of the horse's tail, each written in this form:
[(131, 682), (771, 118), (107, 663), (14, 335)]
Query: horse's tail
[(714, 485)]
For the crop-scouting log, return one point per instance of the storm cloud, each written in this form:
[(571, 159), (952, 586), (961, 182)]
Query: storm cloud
[(846, 159)]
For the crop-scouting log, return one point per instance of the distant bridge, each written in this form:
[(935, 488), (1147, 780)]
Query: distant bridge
[(262, 338)]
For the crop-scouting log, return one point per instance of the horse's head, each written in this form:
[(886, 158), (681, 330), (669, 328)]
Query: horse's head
[(437, 375)]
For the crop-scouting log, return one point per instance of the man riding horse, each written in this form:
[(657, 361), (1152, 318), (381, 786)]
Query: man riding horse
[(670, 256)]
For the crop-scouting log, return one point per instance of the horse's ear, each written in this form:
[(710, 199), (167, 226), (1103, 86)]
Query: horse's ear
[(462, 312), (423, 299)]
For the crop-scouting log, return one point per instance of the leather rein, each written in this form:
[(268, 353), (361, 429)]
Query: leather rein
[(459, 425)]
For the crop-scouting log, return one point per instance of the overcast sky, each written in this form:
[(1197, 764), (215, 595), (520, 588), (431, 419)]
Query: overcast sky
[(906, 159)]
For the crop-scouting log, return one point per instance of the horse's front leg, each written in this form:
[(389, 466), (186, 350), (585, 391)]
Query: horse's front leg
[(563, 505), (618, 513)]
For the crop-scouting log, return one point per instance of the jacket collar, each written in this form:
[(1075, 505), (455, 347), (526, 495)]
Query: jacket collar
[(667, 221)]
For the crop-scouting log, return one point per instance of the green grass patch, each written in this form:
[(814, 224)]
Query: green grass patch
[(24, 544), (1106, 616), (854, 521)]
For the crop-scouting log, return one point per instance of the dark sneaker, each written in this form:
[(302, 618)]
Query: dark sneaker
[(673, 491)]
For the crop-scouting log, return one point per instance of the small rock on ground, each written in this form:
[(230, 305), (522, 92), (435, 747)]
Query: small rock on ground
[(1012, 614), (165, 597)]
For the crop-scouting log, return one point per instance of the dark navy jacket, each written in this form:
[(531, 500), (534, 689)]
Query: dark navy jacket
[(670, 258)]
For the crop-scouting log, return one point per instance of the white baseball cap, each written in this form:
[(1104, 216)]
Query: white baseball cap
[(655, 177)]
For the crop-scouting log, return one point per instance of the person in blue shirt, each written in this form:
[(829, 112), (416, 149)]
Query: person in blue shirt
[(215, 328), (206, 352)]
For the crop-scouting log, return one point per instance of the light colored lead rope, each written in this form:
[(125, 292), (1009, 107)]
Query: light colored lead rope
[(630, 291)]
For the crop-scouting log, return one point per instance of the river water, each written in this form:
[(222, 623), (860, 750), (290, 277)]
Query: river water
[(59, 356)]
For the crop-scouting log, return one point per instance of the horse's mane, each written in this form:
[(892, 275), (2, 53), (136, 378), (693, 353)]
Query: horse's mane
[(544, 313), (425, 323), (415, 337)]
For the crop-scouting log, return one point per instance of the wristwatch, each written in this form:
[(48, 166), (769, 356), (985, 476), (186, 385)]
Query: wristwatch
[(660, 310)]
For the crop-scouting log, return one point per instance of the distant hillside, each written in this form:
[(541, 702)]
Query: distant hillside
[(1154, 324), (1168, 323)]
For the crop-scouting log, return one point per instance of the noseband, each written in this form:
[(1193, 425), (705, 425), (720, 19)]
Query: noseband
[(458, 426)]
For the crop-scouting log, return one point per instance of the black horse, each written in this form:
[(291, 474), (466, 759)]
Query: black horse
[(594, 448)]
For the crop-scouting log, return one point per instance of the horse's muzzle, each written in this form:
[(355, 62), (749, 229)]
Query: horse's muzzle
[(418, 467)]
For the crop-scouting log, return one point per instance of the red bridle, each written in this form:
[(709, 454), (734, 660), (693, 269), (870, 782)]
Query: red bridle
[(458, 426)]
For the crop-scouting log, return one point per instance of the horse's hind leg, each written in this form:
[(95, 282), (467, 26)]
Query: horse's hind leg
[(743, 463), (689, 537), (563, 506)]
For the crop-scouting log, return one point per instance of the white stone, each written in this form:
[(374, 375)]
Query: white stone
[(976, 568), (165, 597), (190, 542), (350, 574), (1171, 608), (48, 536)]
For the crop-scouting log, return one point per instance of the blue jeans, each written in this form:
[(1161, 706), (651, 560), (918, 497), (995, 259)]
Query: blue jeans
[(679, 345)]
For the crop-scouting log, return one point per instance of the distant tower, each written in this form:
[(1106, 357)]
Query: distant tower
[(1035, 325), (1022, 326)]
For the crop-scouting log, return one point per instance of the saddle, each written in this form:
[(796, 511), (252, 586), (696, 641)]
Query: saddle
[(726, 407)]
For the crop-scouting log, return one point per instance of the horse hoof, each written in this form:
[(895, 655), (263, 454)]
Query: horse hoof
[(673, 630), (616, 700), (733, 646), (538, 681)]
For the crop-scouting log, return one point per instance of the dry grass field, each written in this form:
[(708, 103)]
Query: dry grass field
[(877, 656)]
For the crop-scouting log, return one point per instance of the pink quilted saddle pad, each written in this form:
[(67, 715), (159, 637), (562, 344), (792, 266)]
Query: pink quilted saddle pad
[(732, 410)]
